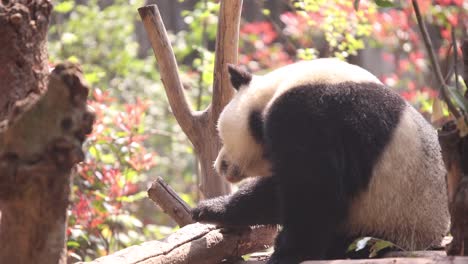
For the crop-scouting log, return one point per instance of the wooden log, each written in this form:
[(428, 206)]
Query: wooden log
[(196, 244)]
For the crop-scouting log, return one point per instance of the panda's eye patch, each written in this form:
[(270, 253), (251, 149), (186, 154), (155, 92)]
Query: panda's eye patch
[(256, 125), (224, 166)]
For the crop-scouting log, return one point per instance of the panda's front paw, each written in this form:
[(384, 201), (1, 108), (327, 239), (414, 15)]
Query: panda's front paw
[(210, 211)]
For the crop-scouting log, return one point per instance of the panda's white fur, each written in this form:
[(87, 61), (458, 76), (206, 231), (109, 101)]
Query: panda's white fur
[(406, 199)]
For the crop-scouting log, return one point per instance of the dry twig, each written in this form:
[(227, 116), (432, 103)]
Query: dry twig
[(164, 196), (432, 57)]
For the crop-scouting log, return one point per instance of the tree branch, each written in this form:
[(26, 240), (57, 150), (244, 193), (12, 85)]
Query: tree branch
[(432, 57), (464, 49), (195, 243), (168, 68), (200, 127), (164, 196), (227, 40)]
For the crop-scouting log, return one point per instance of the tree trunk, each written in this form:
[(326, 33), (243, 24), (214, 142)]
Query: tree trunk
[(23, 55), (43, 122)]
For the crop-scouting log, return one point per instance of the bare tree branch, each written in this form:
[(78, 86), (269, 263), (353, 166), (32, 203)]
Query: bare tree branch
[(432, 57), (455, 57), (465, 63), (226, 52), (168, 68), (200, 127), (164, 196)]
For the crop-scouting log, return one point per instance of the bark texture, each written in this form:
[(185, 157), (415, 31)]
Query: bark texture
[(164, 196), (39, 146), (43, 122), (23, 55), (453, 139)]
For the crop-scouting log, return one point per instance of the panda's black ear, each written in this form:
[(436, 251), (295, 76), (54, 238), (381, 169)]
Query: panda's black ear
[(239, 76)]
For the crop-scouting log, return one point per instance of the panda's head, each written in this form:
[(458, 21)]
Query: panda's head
[(240, 129)]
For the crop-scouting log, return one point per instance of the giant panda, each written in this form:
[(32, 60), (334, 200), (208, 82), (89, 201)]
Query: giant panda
[(334, 155)]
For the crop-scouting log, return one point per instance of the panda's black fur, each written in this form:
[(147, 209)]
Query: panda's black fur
[(330, 154)]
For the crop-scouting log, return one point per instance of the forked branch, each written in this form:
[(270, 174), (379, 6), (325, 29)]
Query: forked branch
[(168, 68), (200, 127)]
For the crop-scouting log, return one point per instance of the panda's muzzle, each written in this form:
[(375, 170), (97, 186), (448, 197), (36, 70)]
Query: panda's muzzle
[(230, 171)]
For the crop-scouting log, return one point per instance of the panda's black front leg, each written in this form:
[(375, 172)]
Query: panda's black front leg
[(255, 203)]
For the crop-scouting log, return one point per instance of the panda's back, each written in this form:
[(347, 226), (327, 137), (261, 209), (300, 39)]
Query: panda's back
[(406, 201), (387, 155)]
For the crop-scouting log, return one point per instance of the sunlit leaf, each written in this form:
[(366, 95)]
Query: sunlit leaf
[(106, 232), (378, 246), (64, 7), (73, 244), (133, 198), (462, 126), (129, 221), (437, 110), (69, 38), (458, 98), (384, 3)]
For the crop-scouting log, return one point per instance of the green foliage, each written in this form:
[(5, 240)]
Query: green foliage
[(373, 245), (64, 7), (344, 31), (380, 3), (191, 47), (84, 38)]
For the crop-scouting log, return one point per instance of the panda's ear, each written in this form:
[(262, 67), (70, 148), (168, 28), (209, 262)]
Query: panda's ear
[(239, 76)]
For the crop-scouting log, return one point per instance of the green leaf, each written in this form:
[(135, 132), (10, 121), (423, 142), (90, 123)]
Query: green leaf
[(73, 244), (384, 3), (356, 4), (458, 98), (378, 246), (132, 198), (64, 7)]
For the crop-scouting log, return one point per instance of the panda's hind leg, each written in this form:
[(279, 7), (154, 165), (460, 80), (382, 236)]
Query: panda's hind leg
[(308, 160)]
